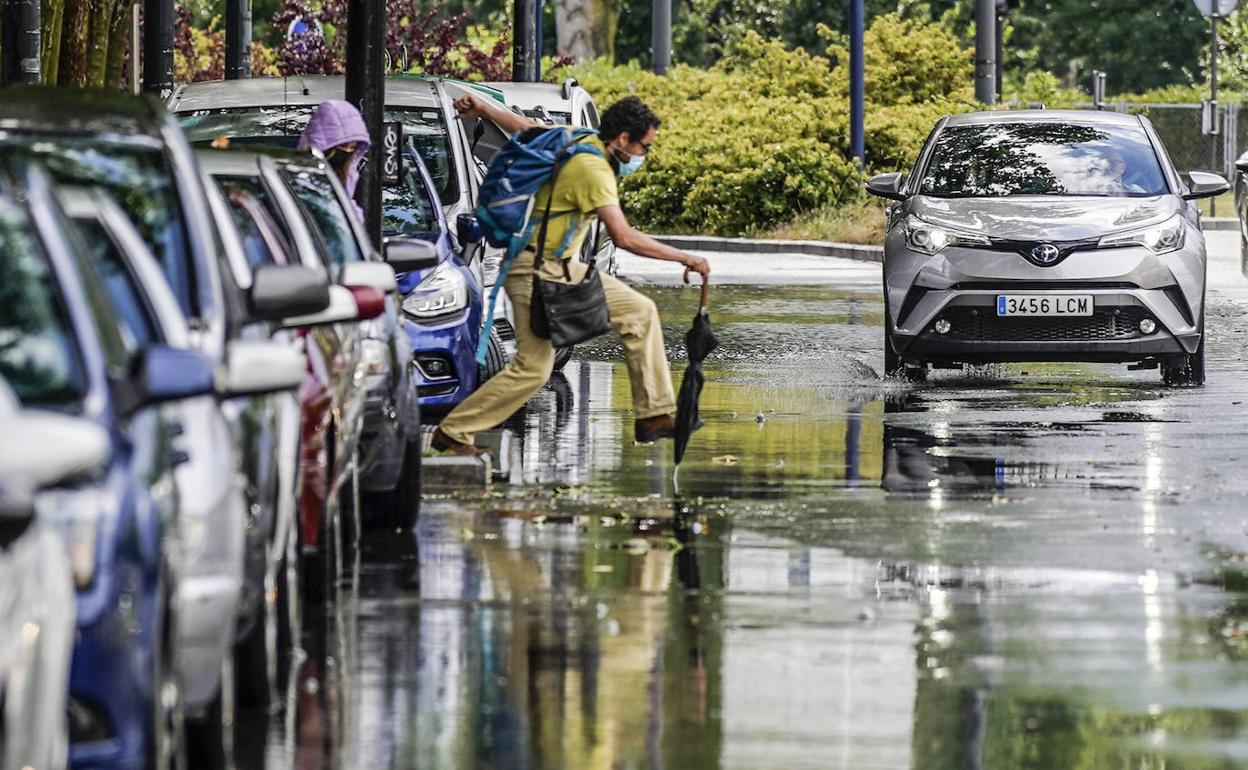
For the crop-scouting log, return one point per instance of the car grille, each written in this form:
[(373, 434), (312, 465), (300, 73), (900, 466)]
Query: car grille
[(986, 326)]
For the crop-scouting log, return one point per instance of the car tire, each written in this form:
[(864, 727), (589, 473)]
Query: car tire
[(289, 608), (562, 357), (1186, 371), (210, 736), (398, 508), (495, 357), (1243, 254), (255, 656), (168, 737)]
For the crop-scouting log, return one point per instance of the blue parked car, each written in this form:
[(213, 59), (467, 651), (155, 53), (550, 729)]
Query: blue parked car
[(63, 349), (442, 305)]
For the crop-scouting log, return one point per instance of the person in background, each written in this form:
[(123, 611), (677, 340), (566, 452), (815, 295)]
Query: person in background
[(338, 130), (586, 188)]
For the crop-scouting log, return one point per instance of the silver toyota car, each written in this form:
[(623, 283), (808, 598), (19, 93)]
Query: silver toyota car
[(1045, 236)]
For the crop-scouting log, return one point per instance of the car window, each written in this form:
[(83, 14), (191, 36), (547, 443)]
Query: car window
[(38, 354), (424, 130), (137, 175), (138, 326), (325, 217), (1046, 158), (407, 208), (591, 114), (253, 207)]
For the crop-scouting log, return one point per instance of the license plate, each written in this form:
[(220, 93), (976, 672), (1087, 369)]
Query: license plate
[(1044, 304)]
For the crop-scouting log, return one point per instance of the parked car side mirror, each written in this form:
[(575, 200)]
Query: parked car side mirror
[(467, 230), (886, 186), (377, 275), (1242, 163), (280, 291), (408, 254), (54, 449), (162, 374), (369, 302), (341, 309), (256, 367), (1204, 184)]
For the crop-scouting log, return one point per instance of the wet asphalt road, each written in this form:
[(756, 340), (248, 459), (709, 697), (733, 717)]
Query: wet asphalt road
[(1036, 566)]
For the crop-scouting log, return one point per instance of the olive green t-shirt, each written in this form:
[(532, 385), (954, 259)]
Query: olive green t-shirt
[(585, 184)]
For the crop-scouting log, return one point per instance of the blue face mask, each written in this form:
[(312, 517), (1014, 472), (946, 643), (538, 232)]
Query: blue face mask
[(634, 163)]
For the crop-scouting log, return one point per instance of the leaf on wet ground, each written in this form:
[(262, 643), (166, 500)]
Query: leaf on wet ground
[(725, 460)]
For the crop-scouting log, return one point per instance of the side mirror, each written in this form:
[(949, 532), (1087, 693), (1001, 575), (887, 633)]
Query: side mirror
[(1242, 163), (1203, 184), (280, 291), (408, 254), (369, 302), (377, 275), (53, 449), (167, 374), (886, 186), (341, 309), (467, 230), (254, 368)]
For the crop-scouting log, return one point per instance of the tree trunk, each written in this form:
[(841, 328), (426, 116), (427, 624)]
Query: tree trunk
[(585, 29), (53, 12), (101, 38), (73, 69), (118, 47)]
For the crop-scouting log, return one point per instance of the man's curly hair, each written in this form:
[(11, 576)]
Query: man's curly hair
[(630, 115)]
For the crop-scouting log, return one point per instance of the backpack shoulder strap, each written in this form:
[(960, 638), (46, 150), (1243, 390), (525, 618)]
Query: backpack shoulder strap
[(570, 149)]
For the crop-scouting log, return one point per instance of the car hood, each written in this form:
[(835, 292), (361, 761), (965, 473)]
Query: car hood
[(1047, 217)]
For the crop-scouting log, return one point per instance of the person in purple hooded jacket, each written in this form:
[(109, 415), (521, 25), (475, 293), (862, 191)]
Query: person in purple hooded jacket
[(337, 129)]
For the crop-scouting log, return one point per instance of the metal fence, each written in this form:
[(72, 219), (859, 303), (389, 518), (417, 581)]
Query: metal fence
[(1179, 127)]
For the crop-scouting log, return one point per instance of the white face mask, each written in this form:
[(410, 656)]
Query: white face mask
[(630, 165)]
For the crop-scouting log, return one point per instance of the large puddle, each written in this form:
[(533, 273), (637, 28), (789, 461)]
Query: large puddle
[(1018, 567)]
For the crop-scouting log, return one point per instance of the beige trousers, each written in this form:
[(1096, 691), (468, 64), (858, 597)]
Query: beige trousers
[(633, 316)]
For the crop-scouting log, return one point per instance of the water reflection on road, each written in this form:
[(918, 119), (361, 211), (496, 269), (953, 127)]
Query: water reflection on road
[(1021, 568)]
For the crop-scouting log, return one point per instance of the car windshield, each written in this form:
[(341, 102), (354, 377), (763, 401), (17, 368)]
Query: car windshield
[(407, 208), (325, 217), (137, 175), (424, 130), (1000, 159), (38, 355)]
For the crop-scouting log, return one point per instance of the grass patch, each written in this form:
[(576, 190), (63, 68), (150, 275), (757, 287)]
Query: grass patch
[(854, 223), (1225, 205)]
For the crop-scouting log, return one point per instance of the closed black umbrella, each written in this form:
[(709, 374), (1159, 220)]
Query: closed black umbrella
[(699, 342)]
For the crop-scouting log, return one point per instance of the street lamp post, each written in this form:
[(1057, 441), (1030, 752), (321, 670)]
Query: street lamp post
[(158, 47), (366, 89), (857, 86), (20, 60), (237, 39), (660, 36), (525, 58), (985, 51)]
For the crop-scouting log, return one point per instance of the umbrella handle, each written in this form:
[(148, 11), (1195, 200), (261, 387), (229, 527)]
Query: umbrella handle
[(706, 290)]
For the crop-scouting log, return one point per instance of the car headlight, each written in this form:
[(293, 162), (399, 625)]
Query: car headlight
[(75, 513), (1160, 238), (441, 293), (375, 357), (930, 239)]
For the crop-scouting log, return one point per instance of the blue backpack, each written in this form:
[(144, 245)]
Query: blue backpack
[(506, 200)]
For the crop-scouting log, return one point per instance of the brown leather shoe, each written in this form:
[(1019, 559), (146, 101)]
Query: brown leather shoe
[(444, 443), (654, 428)]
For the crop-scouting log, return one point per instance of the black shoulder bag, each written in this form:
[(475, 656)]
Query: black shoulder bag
[(567, 314)]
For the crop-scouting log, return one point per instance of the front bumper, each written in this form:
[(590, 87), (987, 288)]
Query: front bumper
[(444, 365), (961, 286), (978, 335)]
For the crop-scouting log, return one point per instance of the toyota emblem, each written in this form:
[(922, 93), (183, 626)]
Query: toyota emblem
[(1045, 254)]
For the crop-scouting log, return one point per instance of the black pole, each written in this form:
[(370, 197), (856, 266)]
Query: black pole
[(857, 83), (20, 44), (158, 47), (538, 45), (985, 51), (1213, 98), (524, 56), (237, 39), (661, 35), (366, 89), (999, 75)]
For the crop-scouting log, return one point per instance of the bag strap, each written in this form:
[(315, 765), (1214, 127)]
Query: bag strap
[(560, 160)]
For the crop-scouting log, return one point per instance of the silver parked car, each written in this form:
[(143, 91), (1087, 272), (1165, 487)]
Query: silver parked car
[(1045, 236)]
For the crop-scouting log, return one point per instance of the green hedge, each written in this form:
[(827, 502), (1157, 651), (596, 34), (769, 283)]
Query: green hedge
[(761, 138)]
